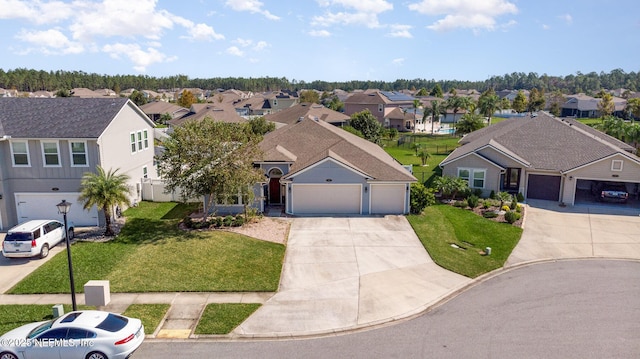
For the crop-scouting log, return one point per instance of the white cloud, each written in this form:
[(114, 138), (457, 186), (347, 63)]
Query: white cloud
[(252, 6), (243, 42), (401, 31), (398, 61), (545, 27), (319, 33), (235, 51), (261, 45), (567, 18), (50, 42), (203, 32), (140, 58), (36, 11), (465, 14), (355, 12)]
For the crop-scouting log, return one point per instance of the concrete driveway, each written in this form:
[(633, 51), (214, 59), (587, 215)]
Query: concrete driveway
[(346, 273), (583, 231)]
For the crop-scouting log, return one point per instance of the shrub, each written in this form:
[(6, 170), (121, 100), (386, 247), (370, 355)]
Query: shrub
[(486, 204), (492, 195), (506, 208), (520, 197), (472, 201), (421, 197), (477, 192), (511, 217), (489, 214), (461, 204), (217, 222), (227, 221), (518, 208), (239, 221), (514, 203), (188, 222)]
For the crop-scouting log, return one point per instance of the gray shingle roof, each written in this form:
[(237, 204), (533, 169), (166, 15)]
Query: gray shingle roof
[(308, 142), (292, 114), (544, 142), (57, 117)]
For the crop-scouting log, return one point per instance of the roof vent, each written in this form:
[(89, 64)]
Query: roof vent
[(300, 119)]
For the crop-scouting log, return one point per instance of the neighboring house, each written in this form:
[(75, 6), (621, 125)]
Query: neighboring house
[(379, 103), (156, 109), (264, 104), (312, 167), (583, 106), (542, 157), (293, 114), (218, 112), (48, 144), (401, 119)]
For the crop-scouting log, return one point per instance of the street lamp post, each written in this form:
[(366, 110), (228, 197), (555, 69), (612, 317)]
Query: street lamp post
[(63, 208)]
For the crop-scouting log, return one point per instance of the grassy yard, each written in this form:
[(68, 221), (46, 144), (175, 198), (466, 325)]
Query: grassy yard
[(150, 314), (443, 225), (152, 255), (223, 318), (15, 315), (437, 146)]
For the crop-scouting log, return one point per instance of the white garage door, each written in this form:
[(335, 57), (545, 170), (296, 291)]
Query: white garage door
[(43, 206), (326, 199), (387, 198)]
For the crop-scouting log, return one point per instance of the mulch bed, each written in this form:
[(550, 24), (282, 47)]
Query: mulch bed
[(480, 211)]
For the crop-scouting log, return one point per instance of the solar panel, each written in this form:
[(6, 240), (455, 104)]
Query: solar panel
[(396, 96)]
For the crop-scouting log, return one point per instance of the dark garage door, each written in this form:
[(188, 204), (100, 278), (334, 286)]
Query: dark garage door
[(543, 187)]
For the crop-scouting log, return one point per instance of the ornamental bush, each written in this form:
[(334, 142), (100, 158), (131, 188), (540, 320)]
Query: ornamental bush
[(472, 201), (511, 217)]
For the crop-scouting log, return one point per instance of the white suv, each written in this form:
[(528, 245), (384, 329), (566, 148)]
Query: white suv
[(33, 238)]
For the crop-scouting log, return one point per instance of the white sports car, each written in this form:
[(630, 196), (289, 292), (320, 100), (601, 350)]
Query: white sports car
[(86, 334)]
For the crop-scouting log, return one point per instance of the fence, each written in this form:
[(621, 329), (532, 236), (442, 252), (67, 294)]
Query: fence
[(155, 191)]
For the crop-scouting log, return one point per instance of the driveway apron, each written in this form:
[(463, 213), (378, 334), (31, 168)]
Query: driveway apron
[(349, 272), (584, 231)]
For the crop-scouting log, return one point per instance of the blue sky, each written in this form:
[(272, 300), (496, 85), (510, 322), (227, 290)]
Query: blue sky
[(330, 40)]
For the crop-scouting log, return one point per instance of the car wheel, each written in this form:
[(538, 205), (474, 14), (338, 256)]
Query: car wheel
[(7, 355), (94, 355), (44, 251), (71, 234)]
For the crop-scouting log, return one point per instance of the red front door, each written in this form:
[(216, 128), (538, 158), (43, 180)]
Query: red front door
[(274, 191)]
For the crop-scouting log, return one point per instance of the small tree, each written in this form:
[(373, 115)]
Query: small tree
[(424, 156), (519, 102), (468, 123), (309, 96), (367, 124), (260, 126), (187, 99), (421, 197), (138, 98), (104, 190), (450, 186), (392, 133)]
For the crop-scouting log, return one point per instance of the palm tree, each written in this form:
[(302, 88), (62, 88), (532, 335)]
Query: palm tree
[(416, 105), (457, 103), (489, 103), (104, 190), (436, 109)]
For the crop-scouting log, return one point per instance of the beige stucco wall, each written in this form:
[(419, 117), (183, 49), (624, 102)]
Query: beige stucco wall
[(492, 176)]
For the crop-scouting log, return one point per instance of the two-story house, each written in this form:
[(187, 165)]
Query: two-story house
[(46, 145), (381, 104)]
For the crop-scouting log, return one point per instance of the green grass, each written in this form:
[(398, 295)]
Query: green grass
[(441, 225), (151, 254), (437, 146), (590, 121), (15, 315), (150, 314), (223, 318)]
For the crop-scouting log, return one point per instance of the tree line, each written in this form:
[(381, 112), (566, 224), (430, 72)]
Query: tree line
[(35, 80)]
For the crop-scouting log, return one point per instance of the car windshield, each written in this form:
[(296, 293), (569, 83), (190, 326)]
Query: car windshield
[(113, 323), (18, 236), (40, 328)]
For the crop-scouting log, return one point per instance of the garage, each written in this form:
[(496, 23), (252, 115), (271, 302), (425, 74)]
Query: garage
[(43, 206), (587, 192), (543, 187), (326, 199), (388, 198)]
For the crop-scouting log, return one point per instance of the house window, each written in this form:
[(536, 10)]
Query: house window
[(380, 107), (50, 154), (78, 154), (133, 142), (145, 138), (20, 154), (145, 172), (139, 140), (275, 102), (475, 177), (616, 165)]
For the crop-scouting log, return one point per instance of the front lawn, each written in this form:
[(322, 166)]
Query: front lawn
[(442, 225), (15, 315), (151, 254), (150, 314), (223, 318)]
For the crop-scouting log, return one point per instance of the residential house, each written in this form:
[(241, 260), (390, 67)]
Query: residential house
[(264, 104), (543, 157), (293, 114), (221, 112), (313, 167), (379, 103), (584, 106), (48, 144), (154, 110)]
